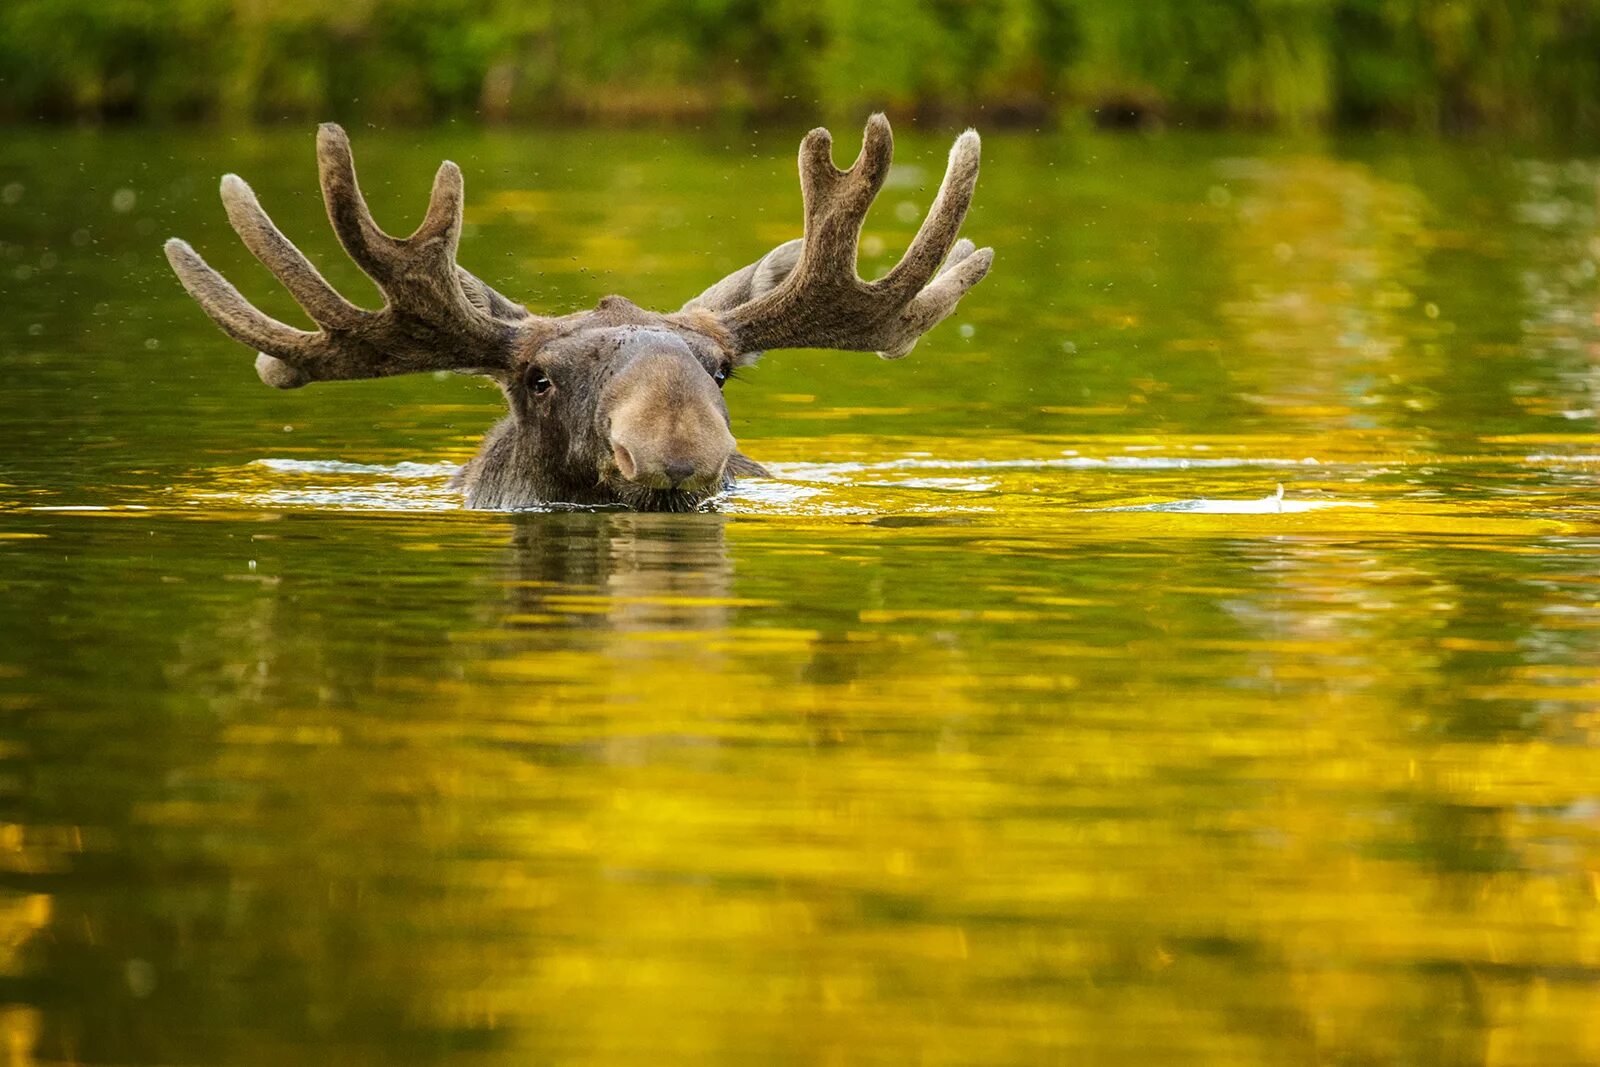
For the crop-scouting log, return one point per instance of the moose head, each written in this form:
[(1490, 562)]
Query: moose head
[(617, 404)]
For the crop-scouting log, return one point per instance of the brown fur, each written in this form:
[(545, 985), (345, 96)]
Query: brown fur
[(649, 389), (618, 405)]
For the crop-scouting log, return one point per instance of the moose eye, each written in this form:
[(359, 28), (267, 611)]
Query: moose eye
[(539, 381)]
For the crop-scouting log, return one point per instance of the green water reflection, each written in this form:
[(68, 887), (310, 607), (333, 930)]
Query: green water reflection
[(1190, 655)]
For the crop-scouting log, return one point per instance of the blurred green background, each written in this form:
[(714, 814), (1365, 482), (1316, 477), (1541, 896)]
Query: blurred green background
[(1521, 66)]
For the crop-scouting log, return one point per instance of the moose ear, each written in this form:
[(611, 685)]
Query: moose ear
[(774, 267), (749, 282)]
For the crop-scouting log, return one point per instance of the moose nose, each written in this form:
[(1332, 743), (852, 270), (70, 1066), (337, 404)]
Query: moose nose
[(625, 462), (697, 463), (665, 422), (678, 473)]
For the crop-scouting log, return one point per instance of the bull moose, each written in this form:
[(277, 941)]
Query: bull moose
[(617, 405)]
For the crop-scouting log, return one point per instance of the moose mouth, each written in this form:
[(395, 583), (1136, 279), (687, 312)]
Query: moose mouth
[(643, 498)]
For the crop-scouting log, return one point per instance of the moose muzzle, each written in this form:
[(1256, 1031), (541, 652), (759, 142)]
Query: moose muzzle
[(668, 426)]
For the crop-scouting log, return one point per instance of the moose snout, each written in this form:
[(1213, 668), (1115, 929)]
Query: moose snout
[(695, 462), (664, 417)]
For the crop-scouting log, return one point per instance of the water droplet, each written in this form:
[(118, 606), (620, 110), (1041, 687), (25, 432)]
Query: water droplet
[(123, 200)]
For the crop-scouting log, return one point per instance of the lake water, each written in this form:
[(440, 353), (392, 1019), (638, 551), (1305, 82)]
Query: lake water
[(1189, 655)]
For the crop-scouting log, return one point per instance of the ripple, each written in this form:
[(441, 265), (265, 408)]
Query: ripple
[(1276, 504)]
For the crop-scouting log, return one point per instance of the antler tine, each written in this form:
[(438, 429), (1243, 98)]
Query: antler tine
[(239, 319), (279, 255), (823, 303), (937, 232), (443, 221), (965, 267), (374, 251)]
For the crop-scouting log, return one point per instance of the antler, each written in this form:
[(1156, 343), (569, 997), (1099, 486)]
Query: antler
[(823, 303), (436, 315)]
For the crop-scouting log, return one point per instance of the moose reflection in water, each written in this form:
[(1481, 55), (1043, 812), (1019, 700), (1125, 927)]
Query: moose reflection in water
[(621, 571), (614, 405)]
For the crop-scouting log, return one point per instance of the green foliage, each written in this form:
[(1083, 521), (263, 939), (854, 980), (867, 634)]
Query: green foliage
[(1526, 65)]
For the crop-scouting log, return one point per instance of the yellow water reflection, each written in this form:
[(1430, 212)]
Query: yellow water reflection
[(720, 787)]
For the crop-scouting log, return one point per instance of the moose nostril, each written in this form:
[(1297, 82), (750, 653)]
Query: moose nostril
[(624, 460), (678, 473)]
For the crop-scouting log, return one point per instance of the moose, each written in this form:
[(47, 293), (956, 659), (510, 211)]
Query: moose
[(618, 405)]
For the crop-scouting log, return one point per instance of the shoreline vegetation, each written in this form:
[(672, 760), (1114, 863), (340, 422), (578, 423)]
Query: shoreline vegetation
[(1517, 66)]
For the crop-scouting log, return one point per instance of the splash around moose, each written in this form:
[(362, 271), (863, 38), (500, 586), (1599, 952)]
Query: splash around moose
[(618, 405)]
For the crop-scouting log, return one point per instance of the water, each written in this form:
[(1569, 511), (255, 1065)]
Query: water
[(1189, 655)]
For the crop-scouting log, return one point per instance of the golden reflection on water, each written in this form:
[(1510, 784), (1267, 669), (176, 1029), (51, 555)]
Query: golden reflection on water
[(738, 786), (1197, 663)]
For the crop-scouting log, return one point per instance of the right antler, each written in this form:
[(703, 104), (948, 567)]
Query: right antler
[(436, 315), (823, 303)]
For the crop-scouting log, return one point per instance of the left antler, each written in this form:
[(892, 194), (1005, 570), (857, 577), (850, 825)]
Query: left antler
[(823, 303), (436, 315)]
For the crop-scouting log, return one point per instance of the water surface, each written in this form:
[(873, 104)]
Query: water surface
[(1189, 655)]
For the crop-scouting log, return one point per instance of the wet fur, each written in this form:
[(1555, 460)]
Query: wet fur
[(557, 447)]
